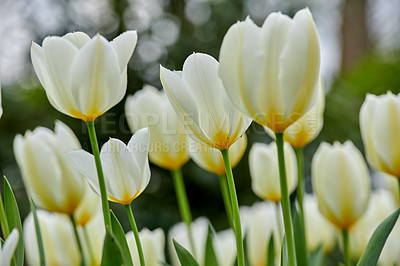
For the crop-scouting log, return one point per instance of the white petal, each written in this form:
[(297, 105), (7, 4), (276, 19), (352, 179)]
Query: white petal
[(79, 39), (9, 247), (85, 162), (95, 76), (124, 45), (200, 72)]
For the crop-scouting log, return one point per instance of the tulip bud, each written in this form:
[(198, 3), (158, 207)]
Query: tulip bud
[(260, 222), (153, 243), (83, 77), (126, 167), (380, 128), (50, 178), (341, 183), (272, 73), (211, 159), (150, 107), (264, 170), (198, 97), (59, 243), (179, 232), (318, 230)]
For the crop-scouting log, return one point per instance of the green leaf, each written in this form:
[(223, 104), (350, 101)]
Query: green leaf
[(185, 258), (14, 220), (39, 238), (284, 255), (317, 257), (165, 264), (377, 240), (271, 252), (210, 257), (112, 252), (300, 239), (121, 238)]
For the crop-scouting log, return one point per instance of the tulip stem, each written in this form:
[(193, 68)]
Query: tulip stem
[(278, 219), (38, 234), (226, 198), (100, 175), (78, 241), (89, 246), (346, 247), (287, 218), (183, 203), (300, 185), (235, 208), (135, 233)]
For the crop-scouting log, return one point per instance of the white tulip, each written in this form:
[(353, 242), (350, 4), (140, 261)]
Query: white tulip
[(211, 159), (264, 170), (126, 167), (150, 107), (224, 243), (341, 183), (153, 243), (58, 237), (380, 128), (199, 99), (392, 184), (8, 248), (49, 177), (319, 231), (271, 73), (179, 232), (83, 77), (88, 208), (261, 222)]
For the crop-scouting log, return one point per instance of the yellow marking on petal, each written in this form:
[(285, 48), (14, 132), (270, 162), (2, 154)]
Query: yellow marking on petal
[(126, 199), (221, 141), (83, 219), (89, 117)]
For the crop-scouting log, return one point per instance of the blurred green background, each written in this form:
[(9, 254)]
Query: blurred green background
[(360, 51)]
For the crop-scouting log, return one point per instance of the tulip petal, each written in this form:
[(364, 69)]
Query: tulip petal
[(124, 45), (85, 162), (9, 247), (94, 75), (200, 72), (184, 104), (300, 64), (79, 39)]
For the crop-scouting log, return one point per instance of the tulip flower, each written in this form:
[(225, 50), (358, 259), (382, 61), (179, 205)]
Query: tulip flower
[(59, 243), (319, 231), (126, 171), (380, 127), (179, 232), (380, 206), (264, 171), (199, 99), (153, 246), (83, 77), (210, 159), (93, 234), (261, 221), (49, 177), (392, 185), (150, 107), (340, 180), (7, 249)]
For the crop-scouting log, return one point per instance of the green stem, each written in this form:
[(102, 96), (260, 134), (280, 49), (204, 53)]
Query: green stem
[(38, 234), (135, 233), (183, 203), (235, 208), (300, 185), (346, 247), (287, 218), (78, 241), (278, 220), (100, 175), (226, 198), (3, 220), (89, 247)]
